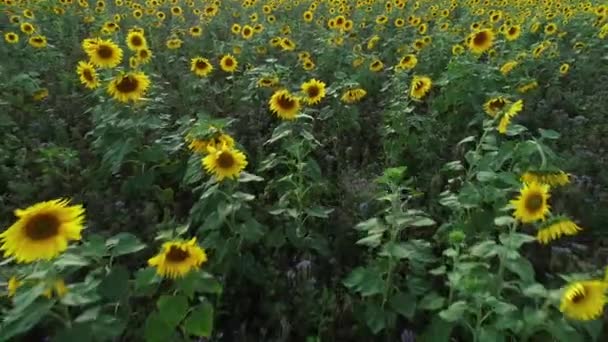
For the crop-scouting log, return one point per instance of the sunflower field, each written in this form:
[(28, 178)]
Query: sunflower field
[(304, 170)]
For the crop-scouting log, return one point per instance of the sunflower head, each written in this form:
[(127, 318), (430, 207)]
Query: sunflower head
[(408, 62), (11, 38), (584, 300), (224, 162), (177, 258), (420, 86), (228, 63), (314, 91), (42, 231), (200, 66), (136, 41), (495, 105), (556, 228), (532, 203), (284, 104), (481, 41), (129, 87), (355, 95), (103, 53)]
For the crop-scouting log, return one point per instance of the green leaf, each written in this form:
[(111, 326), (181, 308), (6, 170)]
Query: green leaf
[(549, 134), (81, 294), (320, 212), (515, 240), (115, 285), (247, 177), (504, 221), (372, 240), (156, 329), (432, 301), (145, 278), (172, 309), (16, 322), (375, 318), (454, 312), (404, 304), (200, 321), (438, 331), (68, 259), (484, 249), (252, 230), (522, 267), (198, 282), (420, 221), (88, 315), (124, 243), (366, 281)]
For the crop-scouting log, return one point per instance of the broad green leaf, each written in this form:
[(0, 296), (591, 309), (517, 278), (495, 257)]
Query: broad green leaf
[(437, 331), (88, 315), (484, 249), (15, 323), (454, 312), (124, 243), (145, 278), (504, 221), (404, 304), (156, 329), (115, 285), (365, 281), (172, 309), (372, 240), (375, 318), (68, 259), (200, 321), (522, 267), (431, 301), (515, 240), (246, 177)]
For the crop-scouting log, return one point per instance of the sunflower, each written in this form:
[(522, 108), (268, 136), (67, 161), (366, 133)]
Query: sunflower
[(555, 229), (506, 68), (524, 88), (564, 68), (287, 44), (87, 74), (11, 37), (37, 41), (58, 287), (531, 204), (219, 139), (407, 62), (247, 32), (177, 258), (195, 31), (584, 300), (42, 231), (103, 53), (308, 64), (200, 66), (41, 94), (481, 41), (550, 29), (144, 55), (457, 49), (136, 41), (420, 86), (495, 105), (511, 112), (513, 32), (551, 178), (236, 28), (353, 95), (129, 87), (27, 28), (314, 91), (228, 63), (174, 43), (308, 16), (268, 82), (224, 162), (284, 104)]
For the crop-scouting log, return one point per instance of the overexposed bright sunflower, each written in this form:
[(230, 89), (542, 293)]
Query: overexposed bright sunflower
[(177, 258), (314, 91), (532, 203), (224, 162), (130, 86), (584, 300), (42, 231), (285, 105)]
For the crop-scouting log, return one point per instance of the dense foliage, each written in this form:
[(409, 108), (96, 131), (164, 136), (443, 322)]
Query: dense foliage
[(303, 170)]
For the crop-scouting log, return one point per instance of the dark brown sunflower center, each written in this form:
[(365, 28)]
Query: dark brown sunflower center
[(480, 39), (196, 30), (512, 31), (87, 75), (202, 65), (38, 40), (407, 59), (578, 297), (137, 41), (105, 51), (286, 103), (228, 62), (128, 84), (42, 227), (225, 160), (313, 91), (418, 85), (497, 104), (143, 53), (534, 202), (177, 254), (27, 28), (246, 31), (376, 65)]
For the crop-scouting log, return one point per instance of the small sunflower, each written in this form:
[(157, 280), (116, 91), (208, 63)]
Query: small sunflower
[(287, 44), (481, 41), (103, 53), (420, 86), (178, 258), (564, 69), (224, 162), (88, 75), (174, 43), (551, 178), (200, 66), (353, 95), (37, 41), (144, 55), (247, 32), (526, 87), (506, 68), (129, 87), (228, 63), (308, 64), (495, 105), (268, 82), (511, 112), (513, 32), (550, 29), (531, 204), (195, 31), (284, 104), (27, 28), (555, 229), (314, 91), (11, 37), (376, 65), (136, 41), (584, 300), (407, 62), (457, 49), (58, 287), (219, 139), (42, 231)]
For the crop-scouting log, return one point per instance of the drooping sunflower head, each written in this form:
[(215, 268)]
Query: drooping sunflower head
[(420, 86), (287, 44), (136, 41), (481, 41), (506, 68), (87, 74), (532, 203), (314, 91), (584, 300), (200, 66), (129, 87), (551, 178), (495, 105), (228, 63), (174, 43), (42, 231), (355, 95), (284, 104), (512, 111), (177, 258), (408, 62), (37, 41), (268, 82), (103, 53), (224, 162), (556, 228)]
